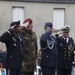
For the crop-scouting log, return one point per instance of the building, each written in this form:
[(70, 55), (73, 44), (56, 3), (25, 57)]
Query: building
[(59, 12)]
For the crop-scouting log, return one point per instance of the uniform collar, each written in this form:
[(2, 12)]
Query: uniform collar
[(67, 39)]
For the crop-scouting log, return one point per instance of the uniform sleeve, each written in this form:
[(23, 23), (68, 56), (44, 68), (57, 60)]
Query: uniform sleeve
[(4, 37), (36, 49), (73, 47), (43, 40), (36, 44), (45, 36)]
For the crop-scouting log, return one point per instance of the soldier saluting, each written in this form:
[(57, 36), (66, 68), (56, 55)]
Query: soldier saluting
[(30, 47), (48, 50), (14, 43), (65, 45)]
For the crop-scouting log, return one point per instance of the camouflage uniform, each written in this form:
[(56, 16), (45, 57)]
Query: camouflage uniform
[(29, 51)]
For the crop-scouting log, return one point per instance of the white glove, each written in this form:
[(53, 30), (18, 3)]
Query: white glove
[(25, 24), (12, 27), (60, 32)]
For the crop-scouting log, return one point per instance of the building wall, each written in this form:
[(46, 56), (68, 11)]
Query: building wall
[(39, 12)]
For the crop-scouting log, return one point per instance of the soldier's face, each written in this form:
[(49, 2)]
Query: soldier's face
[(17, 29), (48, 29), (30, 27), (65, 34)]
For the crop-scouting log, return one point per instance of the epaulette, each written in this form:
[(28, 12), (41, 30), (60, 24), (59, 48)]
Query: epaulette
[(8, 31)]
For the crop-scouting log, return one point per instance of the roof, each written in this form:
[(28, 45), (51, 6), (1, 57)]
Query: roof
[(45, 1)]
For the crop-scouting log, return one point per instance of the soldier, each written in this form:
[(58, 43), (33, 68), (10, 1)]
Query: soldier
[(14, 43), (48, 51), (30, 48), (65, 57)]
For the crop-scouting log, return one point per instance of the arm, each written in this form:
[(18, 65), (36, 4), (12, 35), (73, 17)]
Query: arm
[(45, 36), (6, 35), (43, 40), (58, 34), (72, 49)]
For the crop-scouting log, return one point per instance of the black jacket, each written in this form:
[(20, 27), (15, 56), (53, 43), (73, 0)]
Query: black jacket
[(65, 53), (14, 49), (48, 50)]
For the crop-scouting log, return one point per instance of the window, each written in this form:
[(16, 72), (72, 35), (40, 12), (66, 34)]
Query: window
[(18, 14), (58, 18)]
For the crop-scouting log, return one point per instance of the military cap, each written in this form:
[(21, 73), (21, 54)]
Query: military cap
[(48, 24), (66, 28), (15, 23), (27, 22)]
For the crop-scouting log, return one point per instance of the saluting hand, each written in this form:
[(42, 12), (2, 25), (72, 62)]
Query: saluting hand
[(12, 27)]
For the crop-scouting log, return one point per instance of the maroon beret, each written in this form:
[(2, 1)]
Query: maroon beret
[(28, 20)]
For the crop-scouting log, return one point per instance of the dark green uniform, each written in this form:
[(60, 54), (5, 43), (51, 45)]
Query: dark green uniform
[(29, 51)]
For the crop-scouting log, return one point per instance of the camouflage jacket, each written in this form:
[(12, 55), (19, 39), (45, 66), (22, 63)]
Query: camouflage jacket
[(29, 51)]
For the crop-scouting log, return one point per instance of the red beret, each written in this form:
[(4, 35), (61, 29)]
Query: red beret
[(28, 20)]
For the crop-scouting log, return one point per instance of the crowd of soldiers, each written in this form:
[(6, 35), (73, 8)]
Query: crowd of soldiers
[(56, 52)]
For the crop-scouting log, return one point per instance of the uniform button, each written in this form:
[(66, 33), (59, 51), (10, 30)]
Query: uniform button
[(46, 56), (65, 51), (69, 52), (10, 56), (65, 55)]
